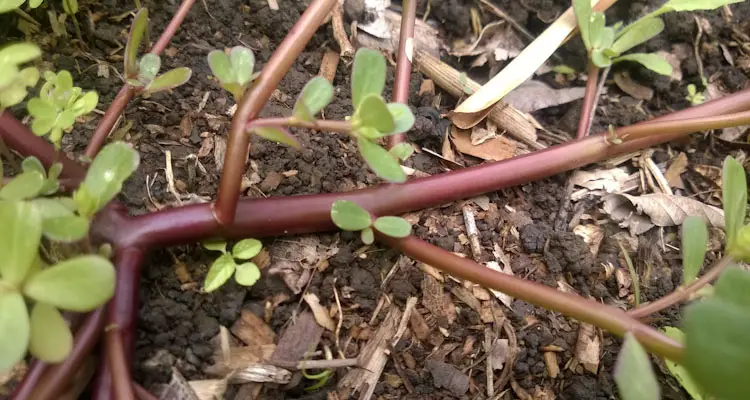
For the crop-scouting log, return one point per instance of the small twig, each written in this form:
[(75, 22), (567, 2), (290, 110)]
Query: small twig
[(410, 304), (658, 176), (170, 176), (472, 232), (315, 364), (339, 32), (341, 317)]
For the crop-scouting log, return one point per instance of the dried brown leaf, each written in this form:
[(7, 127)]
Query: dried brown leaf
[(535, 95), (448, 376), (496, 149), (497, 40), (252, 330), (588, 347), (659, 209), (320, 312), (631, 87)]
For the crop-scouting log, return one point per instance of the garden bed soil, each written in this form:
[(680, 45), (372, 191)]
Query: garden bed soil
[(177, 324)]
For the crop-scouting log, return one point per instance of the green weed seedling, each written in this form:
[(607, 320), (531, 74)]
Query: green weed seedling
[(694, 96), (246, 273), (33, 217), (14, 81), (234, 70), (349, 216), (143, 73), (715, 327), (608, 45), (58, 105)]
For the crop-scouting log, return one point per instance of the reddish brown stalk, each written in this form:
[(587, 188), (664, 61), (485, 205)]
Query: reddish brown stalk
[(113, 376), (253, 101), (141, 393), (589, 99), (403, 60), (56, 377), (683, 292), (126, 92), (606, 317)]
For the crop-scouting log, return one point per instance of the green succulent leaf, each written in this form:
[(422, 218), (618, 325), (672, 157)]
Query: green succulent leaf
[(403, 119), (596, 30), (59, 222), (80, 284), (85, 104), (634, 375), (107, 173), (242, 60), (278, 135), (32, 163), (367, 235), (148, 67), (35, 3), (169, 80), (734, 198), (24, 186), (654, 62), (393, 226), (215, 245), (137, 29), (349, 216), (221, 270), (695, 5), (5, 6), (51, 184), (14, 329), (600, 59), (678, 371), (70, 6), (373, 112), (368, 75), (19, 53), (220, 66), (39, 108), (582, 10), (314, 97), (19, 240), (51, 339), (694, 242), (640, 32), (381, 161), (402, 151), (246, 274), (246, 249), (734, 286)]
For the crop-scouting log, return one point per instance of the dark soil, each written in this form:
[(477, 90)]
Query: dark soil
[(178, 324)]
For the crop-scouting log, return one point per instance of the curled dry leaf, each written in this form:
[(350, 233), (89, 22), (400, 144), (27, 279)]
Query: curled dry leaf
[(626, 83), (320, 312), (588, 347), (504, 298), (497, 40), (495, 149), (641, 213), (610, 180), (499, 353), (531, 96)]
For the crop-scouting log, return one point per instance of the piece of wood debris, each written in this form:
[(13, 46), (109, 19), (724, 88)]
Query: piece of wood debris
[(339, 32), (550, 361), (675, 170), (329, 64), (447, 376), (419, 326), (588, 347), (373, 359), (496, 149), (472, 232), (319, 312), (298, 338)]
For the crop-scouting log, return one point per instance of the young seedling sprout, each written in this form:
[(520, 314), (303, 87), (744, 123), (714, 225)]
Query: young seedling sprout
[(34, 216), (143, 73), (349, 216), (246, 273), (234, 70), (58, 105)]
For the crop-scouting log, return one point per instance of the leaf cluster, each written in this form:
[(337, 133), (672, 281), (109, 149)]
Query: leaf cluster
[(14, 81), (58, 105), (233, 70), (349, 216), (143, 73), (30, 211), (245, 273), (10, 5)]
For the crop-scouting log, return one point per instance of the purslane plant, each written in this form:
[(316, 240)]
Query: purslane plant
[(34, 216), (246, 273), (234, 70), (349, 216)]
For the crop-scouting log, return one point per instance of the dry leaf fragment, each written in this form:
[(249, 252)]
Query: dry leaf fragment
[(497, 40), (448, 376), (659, 209), (495, 149), (252, 330), (504, 298), (532, 95), (676, 168), (609, 180), (499, 353), (437, 301), (550, 360), (631, 87), (207, 144), (588, 347), (592, 234), (320, 313)]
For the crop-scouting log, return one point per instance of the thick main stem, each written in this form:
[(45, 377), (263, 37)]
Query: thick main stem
[(589, 99), (403, 60), (606, 317), (126, 92), (254, 100)]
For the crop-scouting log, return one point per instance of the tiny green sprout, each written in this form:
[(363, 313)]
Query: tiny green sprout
[(246, 273), (563, 69), (349, 216), (143, 73), (234, 70), (693, 96), (373, 118), (58, 105), (612, 136), (14, 81)]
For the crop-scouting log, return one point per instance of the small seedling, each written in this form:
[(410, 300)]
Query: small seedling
[(71, 8), (234, 70), (246, 273), (349, 216), (142, 73), (693, 96), (14, 81), (79, 283), (58, 105)]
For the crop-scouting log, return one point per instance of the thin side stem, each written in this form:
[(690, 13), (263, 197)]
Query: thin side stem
[(403, 60), (253, 101), (682, 293), (606, 317), (118, 366), (126, 93), (56, 378), (317, 125), (589, 98), (141, 393)]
